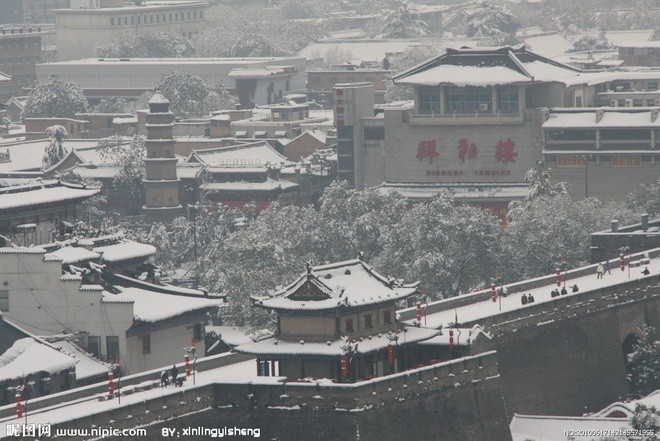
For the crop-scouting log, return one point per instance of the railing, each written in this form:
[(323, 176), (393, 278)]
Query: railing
[(467, 118)]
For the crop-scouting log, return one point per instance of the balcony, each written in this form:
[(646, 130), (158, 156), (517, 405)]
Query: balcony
[(476, 118)]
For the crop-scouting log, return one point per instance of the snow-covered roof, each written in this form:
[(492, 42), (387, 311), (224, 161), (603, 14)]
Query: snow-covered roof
[(486, 67), (242, 155), (231, 335), (554, 428), (158, 98), (265, 72), (602, 118), (593, 78), (628, 407), (150, 306), (42, 192), (338, 285), (269, 185), (125, 250), (364, 345), (4, 77), (86, 365), (640, 44), (72, 255), (316, 134), (28, 356), (461, 336)]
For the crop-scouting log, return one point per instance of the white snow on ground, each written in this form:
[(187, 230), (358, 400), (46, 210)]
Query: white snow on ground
[(238, 373), (512, 302)]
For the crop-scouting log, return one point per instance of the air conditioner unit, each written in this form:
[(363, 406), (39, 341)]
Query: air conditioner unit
[(629, 102), (483, 107), (614, 103), (657, 102)]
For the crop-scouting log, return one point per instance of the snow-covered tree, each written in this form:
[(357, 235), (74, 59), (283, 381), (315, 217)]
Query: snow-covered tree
[(641, 16), (159, 237), (548, 230), (493, 21), (540, 183), (410, 57), (55, 98), (186, 94), (647, 420), (151, 45), (591, 43), (403, 21), (93, 211), (127, 184), (219, 99), (644, 362), (646, 199), (55, 151), (296, 9), (253, 45)]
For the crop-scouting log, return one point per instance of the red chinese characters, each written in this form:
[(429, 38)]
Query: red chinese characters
[(504, 151), (466, 149), (427, 149)]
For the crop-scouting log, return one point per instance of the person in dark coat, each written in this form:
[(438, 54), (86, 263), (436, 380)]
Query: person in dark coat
[(575, 288), (523, 299), (530, 298), (646, 271), (563, 291), (164, 379), (607, 267), (174, 372)]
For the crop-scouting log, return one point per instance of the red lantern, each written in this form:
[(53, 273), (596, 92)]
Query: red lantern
[(623, 262), (558, 276), (451, 339), (19, 406), (493, 293), (186, 364), (418, 313), (111, 386), (390, 354), (344, 365)]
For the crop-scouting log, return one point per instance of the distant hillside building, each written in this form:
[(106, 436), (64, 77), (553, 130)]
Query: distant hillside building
[(80, 31), (640, 53), (321, 83)]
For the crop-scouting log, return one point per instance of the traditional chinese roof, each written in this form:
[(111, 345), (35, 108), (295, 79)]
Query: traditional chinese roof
[(347, 284), (280, 347), (251, 155), (596, 118), (486, 67)]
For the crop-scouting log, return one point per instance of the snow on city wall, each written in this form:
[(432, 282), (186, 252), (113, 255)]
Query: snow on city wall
[(522, 286), (570, 359)]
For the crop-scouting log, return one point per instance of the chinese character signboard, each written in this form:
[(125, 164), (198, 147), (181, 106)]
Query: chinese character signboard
[(427, 149), (339, 108), (626, 161), (466, 149), (570, 161), (504, 151)]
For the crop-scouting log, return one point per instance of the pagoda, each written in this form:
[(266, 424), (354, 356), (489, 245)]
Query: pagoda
[(161, 183), (338, 321)]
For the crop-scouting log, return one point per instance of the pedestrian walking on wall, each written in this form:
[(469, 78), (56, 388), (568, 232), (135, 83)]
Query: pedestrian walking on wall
[(174, 372), (563, 291), (523, 299), (163, 379), (599, 271), (607, 267), (575, 288), (646, 271), (530, 298)]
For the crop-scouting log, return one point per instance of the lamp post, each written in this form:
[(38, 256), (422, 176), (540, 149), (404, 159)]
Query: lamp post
[(586, 175)]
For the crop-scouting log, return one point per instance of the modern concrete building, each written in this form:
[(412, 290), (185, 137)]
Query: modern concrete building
[(20, 51), (130, 77), (640, 53), (262, 86), (80, 31), (321, 83)]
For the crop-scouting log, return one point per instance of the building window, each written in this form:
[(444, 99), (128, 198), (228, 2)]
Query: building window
[(132, 20), (170, 16), (652, 85), (287, 85), (163, 18), (112, 21), (508, 100), (146, 344), (125, 20), (374, 133), (368, 321), (429, 100), (201, 14), (188, 15), (469, 100), (139, 17), (4, 300), (348, 324), (387, 317), (198, 333), (112, 348), (157, 18), (195, 15), (94, 345), (151, 18)]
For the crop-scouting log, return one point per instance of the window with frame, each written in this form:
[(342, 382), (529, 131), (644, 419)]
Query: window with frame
[(387, 317), (112, 348), (429, 100), (469, 100), (198, 332), (508, 100), (112, 21), (146, 344), (368, 321), (348, 324), (94, 345), (652, 85), (4, 300)]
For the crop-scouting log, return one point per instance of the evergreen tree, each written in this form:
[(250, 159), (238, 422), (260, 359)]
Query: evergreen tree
[(644, 363), (646, 419), (493, 21), (646, 199), (55, 99), (55, 151), (190, 97), (151, 45), (403, 21), (253, 45)]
